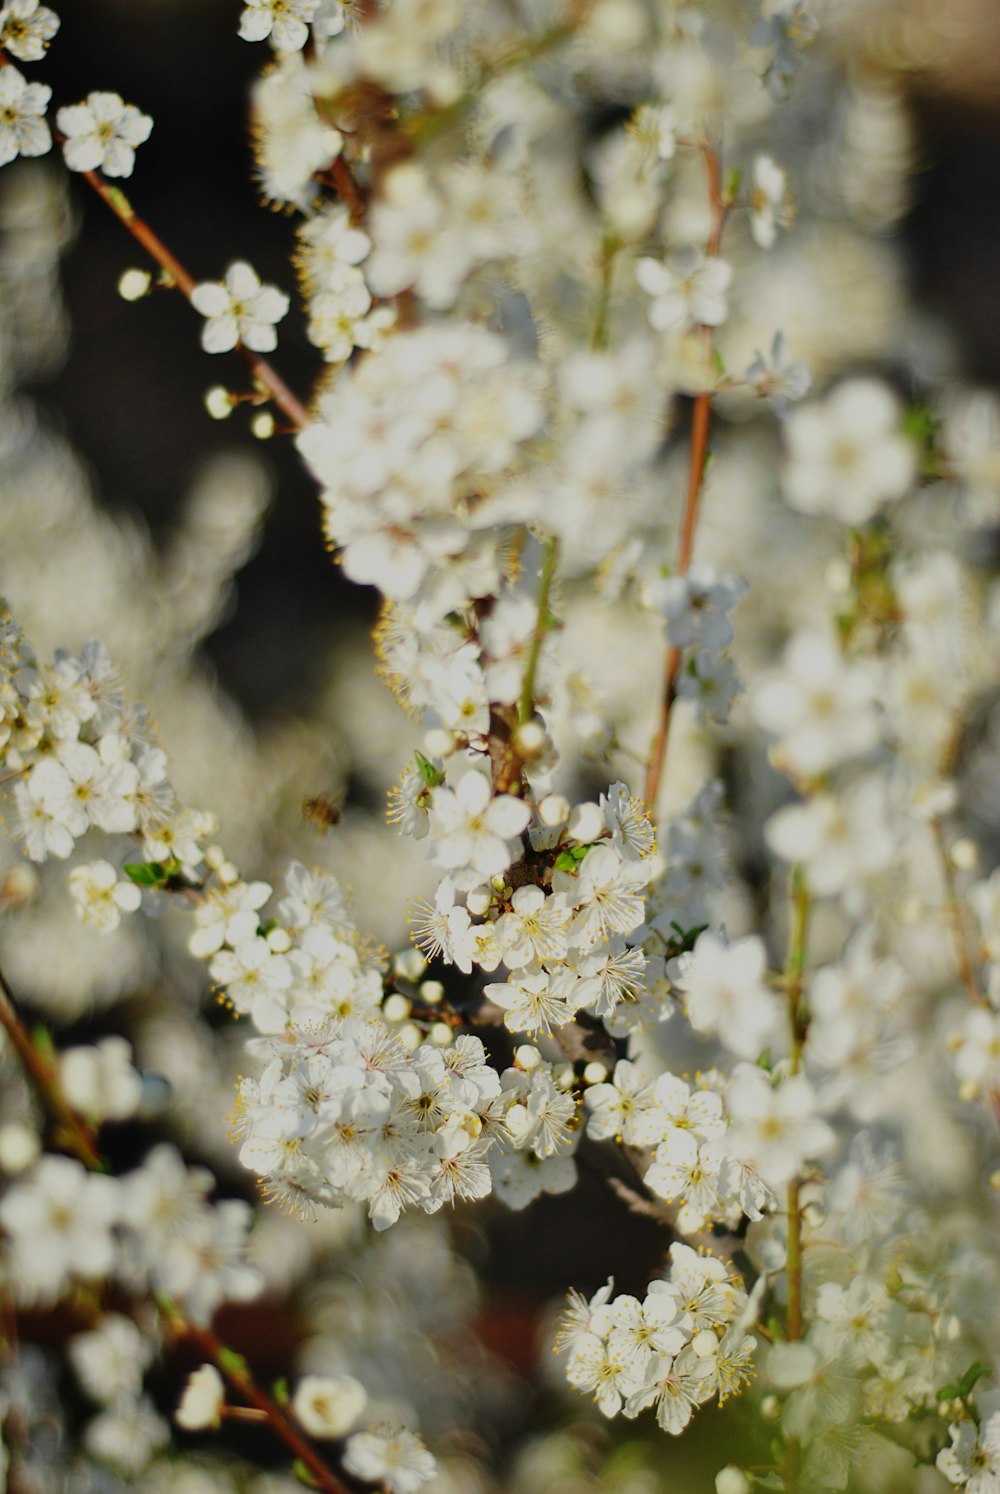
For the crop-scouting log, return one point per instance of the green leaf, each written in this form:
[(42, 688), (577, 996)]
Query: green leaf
[(566, 861), (432, 776), (233, 1363), (973, 1374), (776, 1329), (767, 1480), (947, 1393), (733, 181), (280, 1391), (303, 1475), (148, 873)]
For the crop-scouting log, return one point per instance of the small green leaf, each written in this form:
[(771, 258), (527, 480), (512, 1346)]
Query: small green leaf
[(303, 1475), (947, 1393), (120, 203), (776, 1329), (432, 776), (973, 1374), (733, 181), (233, 1363), (265, 928), (147, 873), (566, 861), (280, 1391)]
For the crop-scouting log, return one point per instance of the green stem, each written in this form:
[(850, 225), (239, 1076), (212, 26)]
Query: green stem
[(794, 983), (543, 621)]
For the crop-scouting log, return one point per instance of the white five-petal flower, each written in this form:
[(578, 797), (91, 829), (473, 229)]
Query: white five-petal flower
[(239, 309)]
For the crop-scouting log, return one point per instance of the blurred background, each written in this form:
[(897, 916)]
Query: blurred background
[(104, 420)]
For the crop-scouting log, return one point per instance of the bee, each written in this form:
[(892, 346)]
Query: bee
[(321, 812)]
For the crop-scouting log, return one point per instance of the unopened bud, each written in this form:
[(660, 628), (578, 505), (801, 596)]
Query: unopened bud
[(964, 854), (527, 1057), (595, 1073), (134, 284), (279, 941), (410, 1036), (441, 1035), (262, 425), (219, 402), (431, 992), (478, 901), (554, 810), (439, 742), (564, 1076), (18, 1147), (586, 823), (396, 1008), (409, 964), (731, 1480), (530, 739)]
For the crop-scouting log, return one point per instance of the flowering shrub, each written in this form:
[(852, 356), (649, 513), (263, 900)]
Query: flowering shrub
[(691, 820)]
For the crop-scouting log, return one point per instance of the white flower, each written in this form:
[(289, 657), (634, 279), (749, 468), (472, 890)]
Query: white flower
[(240, 309), (102, 134), (329, 1405), (837, 840), (26, 28), (58, 1221), (534, 928), (847, 455), (201, 1400), (775, 1126), (821, 706), (255, 982), (23, 131), (100, 1081), (534, 1001), (609, 895), (777, 377), (397, 1460), (282, 22), (973, 1459), (691, 289), (624, 1108), (724, 993), (110, 1359), (769, 205), (472, 828), (99, 896)]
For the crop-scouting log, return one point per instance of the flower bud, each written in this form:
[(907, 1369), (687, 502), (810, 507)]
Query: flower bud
[(440, 743), (202, 1400), (396, 1008), (409, 964), (731, 1480), (219, 402), (134, 284), (329, 1405), (554, 810)]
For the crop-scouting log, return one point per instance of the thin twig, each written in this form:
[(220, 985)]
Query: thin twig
[(700, 422)]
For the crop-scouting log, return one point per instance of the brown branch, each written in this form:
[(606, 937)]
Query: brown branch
[(235, 1369), (72, 1131), (700, 423), (114, 198), (268, 377)]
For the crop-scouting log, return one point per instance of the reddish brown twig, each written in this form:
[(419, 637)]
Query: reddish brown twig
[(700, 422)]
